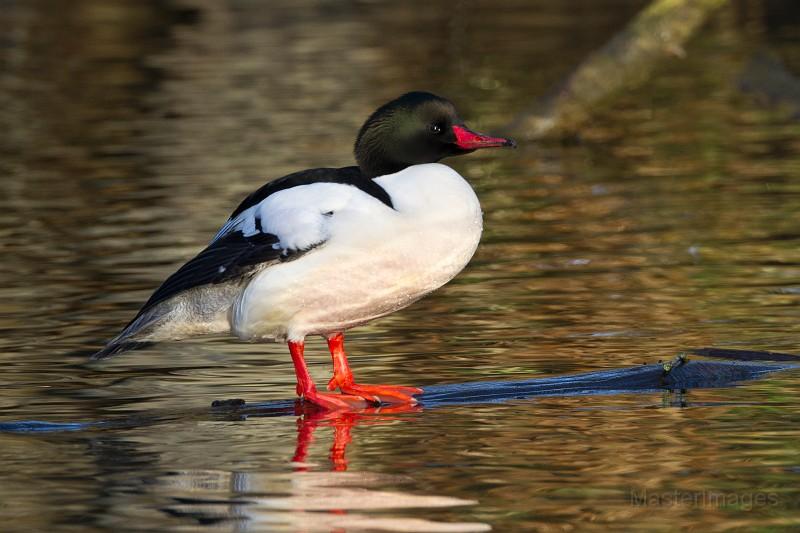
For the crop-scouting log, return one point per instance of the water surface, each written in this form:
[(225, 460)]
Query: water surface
[(131, 130)]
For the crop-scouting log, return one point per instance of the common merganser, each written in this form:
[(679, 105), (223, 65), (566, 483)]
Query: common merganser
[(323, 250)]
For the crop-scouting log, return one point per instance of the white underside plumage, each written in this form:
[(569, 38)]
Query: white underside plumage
[(374, 260)]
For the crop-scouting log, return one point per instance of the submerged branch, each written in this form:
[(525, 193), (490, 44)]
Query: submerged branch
[(625, 62), (637, 379)]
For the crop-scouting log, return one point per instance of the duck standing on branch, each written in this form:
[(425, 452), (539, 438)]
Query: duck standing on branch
[(323, 250)]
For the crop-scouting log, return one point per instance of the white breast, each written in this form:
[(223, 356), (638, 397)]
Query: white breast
[(375, 260)]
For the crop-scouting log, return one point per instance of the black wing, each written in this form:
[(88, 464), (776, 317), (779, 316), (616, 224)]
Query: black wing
[(231, 256)]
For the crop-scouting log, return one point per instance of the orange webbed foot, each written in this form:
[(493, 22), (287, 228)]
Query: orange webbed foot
[(336, 402), (391, 394)]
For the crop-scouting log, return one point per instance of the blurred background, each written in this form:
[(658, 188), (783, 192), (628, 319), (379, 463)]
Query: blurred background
[(653, 205)]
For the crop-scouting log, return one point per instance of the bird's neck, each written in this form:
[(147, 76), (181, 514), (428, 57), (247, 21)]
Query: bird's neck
[(374, 165)]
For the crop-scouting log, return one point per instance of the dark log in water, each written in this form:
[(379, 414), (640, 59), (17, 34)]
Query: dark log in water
[(640, 379)]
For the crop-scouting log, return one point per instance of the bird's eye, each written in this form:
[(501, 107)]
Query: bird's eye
[(436, 129)]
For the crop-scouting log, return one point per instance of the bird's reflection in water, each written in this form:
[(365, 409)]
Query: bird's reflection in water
[(307, 499), (342, 423)]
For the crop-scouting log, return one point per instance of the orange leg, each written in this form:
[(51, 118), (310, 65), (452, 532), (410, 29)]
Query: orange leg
[(308, 391), (344, 381)]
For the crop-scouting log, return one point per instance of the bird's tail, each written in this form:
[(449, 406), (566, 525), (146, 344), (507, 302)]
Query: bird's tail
[(174, 319), (115, 348), (137, 334)]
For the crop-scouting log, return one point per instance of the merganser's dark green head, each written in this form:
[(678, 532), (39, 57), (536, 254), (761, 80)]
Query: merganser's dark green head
[(416, 128)]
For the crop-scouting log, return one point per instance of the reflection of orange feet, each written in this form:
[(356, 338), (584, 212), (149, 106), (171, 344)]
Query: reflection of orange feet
[(341, 438), (377, 393), (342, 423)]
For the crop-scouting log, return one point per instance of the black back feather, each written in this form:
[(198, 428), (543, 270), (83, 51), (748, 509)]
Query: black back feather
[(346, 176)]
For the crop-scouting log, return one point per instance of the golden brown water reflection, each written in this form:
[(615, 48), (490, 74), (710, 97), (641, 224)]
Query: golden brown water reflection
[(130, 130)]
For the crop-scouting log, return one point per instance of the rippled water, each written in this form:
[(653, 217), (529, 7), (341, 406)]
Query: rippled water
[(131, 129)]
